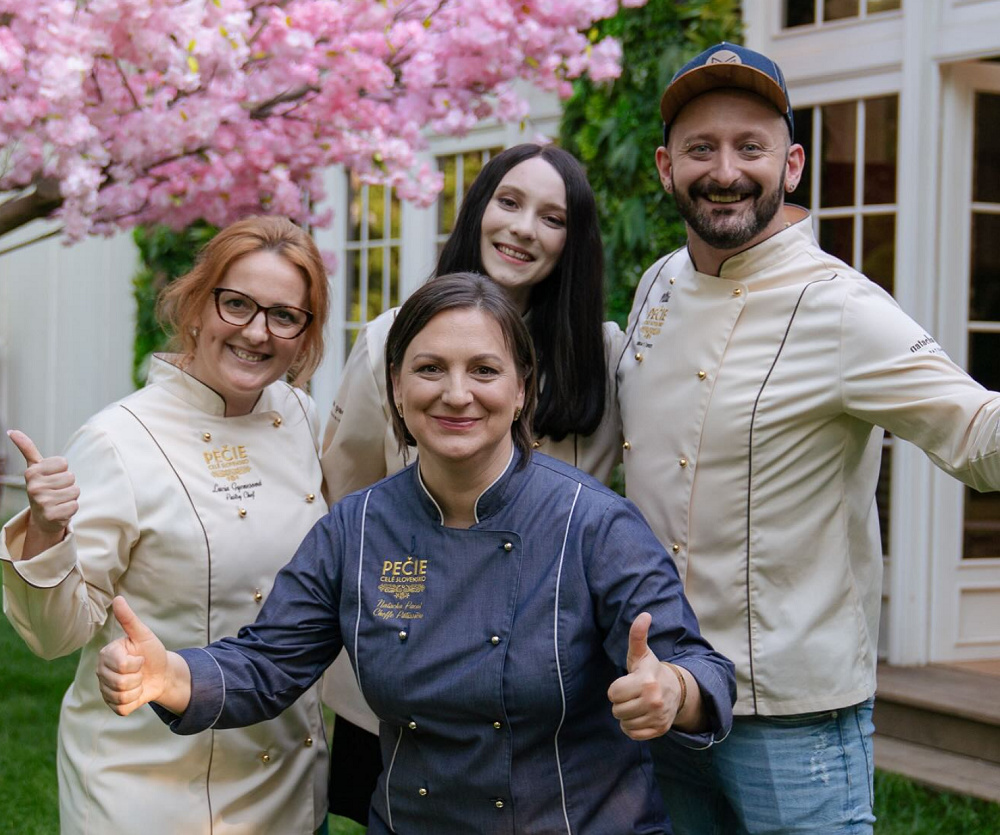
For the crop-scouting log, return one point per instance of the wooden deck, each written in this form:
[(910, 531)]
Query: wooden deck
[(940, 725)]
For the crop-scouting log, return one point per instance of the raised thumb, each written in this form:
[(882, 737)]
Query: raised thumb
[(637, 635), (25, 446), (134, 628)]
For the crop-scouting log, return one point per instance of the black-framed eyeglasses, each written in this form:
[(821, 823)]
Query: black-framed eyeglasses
[(281, 320)]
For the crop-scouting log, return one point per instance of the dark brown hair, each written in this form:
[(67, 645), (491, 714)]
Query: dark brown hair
[(461, 291)]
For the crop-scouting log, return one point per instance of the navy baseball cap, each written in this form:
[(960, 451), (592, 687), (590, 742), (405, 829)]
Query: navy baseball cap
[(726, 65)]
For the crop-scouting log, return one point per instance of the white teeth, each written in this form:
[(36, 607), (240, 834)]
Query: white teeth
[(246, 355), (513, 253)]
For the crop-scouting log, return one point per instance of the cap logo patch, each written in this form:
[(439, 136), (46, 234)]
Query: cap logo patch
[(724, 56)]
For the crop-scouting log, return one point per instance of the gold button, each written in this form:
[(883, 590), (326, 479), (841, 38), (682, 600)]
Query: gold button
[(498, 803), (309, 742), (702, 375), (683, 462), (207, 436), (277, 422), (402, 634), (412, 726), (242, 512), (495, 640), (257, 596), (536, 444), (508, 547), (265, 758), (672, 280), (638, 357), (422, 792), (310, 497), (626, 445), (675, 547), (497, 725), (738, 292)]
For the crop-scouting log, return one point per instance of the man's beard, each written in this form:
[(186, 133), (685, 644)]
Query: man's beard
[(726, 231)]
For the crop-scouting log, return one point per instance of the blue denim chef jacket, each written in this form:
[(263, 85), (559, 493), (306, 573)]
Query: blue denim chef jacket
[(486, 653)]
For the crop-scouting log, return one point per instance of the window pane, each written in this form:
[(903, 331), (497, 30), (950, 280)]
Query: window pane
[(804, 136), (836, 236), (799, 13), (982, 525), (472, 164), (882, 494), (447, 198), (878, 250), (374, 302), (376, 213), (839, 9), (881, 131), (875, 6), (982, 510), (984, 293), (394, 277), (986, 149), (352, 286), (984, 359), (396, 214), (354, 200), (837, 172)]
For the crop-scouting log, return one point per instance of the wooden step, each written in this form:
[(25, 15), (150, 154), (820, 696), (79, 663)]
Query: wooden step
[(938, 769), (938, 707)]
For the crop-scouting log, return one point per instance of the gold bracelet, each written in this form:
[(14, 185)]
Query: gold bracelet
[(681, 682)]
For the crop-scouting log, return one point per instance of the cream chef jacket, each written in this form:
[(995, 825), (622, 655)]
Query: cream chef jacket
[(189, 515), (360, 448), (753, 405)]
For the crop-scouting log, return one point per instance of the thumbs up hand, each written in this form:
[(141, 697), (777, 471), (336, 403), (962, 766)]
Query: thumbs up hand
[(647, 698), (52, 495), (133, 670)]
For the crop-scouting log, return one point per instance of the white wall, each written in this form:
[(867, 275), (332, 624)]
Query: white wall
[(66, 326)]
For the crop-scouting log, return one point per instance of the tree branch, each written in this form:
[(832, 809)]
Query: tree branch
[(37, 204), (23, 244)]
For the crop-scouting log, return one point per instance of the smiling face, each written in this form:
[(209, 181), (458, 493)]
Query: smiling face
[(727, 163), (459, 388), (523, 230), (239, 362)]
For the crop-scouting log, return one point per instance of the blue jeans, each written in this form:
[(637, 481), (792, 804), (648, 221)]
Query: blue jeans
[(774, 775)]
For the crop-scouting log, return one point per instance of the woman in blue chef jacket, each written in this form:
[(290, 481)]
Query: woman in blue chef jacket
[(514, 624)]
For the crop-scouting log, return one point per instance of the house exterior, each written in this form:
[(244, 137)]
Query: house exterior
[(898, 105)]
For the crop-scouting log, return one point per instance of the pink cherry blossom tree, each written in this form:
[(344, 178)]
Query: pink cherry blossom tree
[(122, 112)]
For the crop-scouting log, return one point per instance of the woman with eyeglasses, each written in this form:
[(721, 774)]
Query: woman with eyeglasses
[(187, 497)]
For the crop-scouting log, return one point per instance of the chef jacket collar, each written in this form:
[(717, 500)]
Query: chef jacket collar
[(165, 371), (491, 500), (756, 266)]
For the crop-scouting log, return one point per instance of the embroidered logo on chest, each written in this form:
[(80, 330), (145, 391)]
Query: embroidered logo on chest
[(652, 324), (402, 585), (228, 462)]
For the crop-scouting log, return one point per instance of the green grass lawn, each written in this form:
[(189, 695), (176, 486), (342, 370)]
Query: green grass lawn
[(29, 709)]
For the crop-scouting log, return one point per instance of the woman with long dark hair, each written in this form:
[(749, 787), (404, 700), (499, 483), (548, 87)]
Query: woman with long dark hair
[(529, 222)]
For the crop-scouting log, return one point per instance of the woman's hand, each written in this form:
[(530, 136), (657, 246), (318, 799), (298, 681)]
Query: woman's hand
[(52, 496), (137, 669), (649, 700)]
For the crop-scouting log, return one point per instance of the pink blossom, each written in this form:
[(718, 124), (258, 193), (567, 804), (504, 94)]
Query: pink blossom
[(171, 110)]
